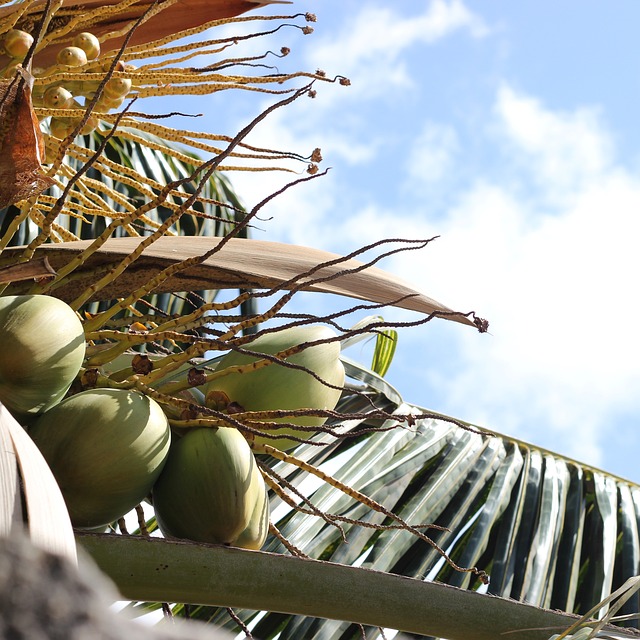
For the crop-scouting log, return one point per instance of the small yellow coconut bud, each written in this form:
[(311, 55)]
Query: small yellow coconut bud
[(88, 43), (72, 57), (61, 127), (106, 104), (17, 43), (117, 87), (90, 125), (57, 98), (106, 65)]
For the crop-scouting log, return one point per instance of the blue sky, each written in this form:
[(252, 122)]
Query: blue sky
[(509, 130)]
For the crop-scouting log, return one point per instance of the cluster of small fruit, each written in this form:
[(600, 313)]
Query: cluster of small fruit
[(111, 448), (82, 55)]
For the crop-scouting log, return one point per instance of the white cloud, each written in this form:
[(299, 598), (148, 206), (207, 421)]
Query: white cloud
[(369, 48), (566, 150), (557, 281), (559, 293), (431, 156)]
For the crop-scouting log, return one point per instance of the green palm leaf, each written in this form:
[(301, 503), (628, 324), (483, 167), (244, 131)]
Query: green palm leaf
[(551, 532)]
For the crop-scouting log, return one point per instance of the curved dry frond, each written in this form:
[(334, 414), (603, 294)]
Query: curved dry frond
[(231, 263)]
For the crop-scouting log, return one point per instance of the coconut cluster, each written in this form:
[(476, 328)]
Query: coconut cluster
[(216, 466), (111, 448), (82, 55)]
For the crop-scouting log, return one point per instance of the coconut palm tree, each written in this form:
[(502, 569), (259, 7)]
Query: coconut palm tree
[(386, 516)]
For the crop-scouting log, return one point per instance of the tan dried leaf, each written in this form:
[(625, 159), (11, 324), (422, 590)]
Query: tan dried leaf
[(21, 142)]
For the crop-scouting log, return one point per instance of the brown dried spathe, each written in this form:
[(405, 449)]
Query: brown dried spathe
[(21, 142)]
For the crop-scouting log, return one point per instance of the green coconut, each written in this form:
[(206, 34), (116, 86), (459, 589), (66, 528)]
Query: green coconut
[(255, 533), (276, 387), (42, 349), (106, 448), (210, 488)]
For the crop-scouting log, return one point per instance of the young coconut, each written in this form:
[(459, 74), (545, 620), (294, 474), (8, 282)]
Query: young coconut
[(72, 57), (43, 348), (106, 448), (17, 43), (88, 43), (61, 127), (211, 490), (116, 88), (57, 97), (277, 387), (255, 533)]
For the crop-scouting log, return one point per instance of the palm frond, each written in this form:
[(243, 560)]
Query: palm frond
[(549, 531)]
